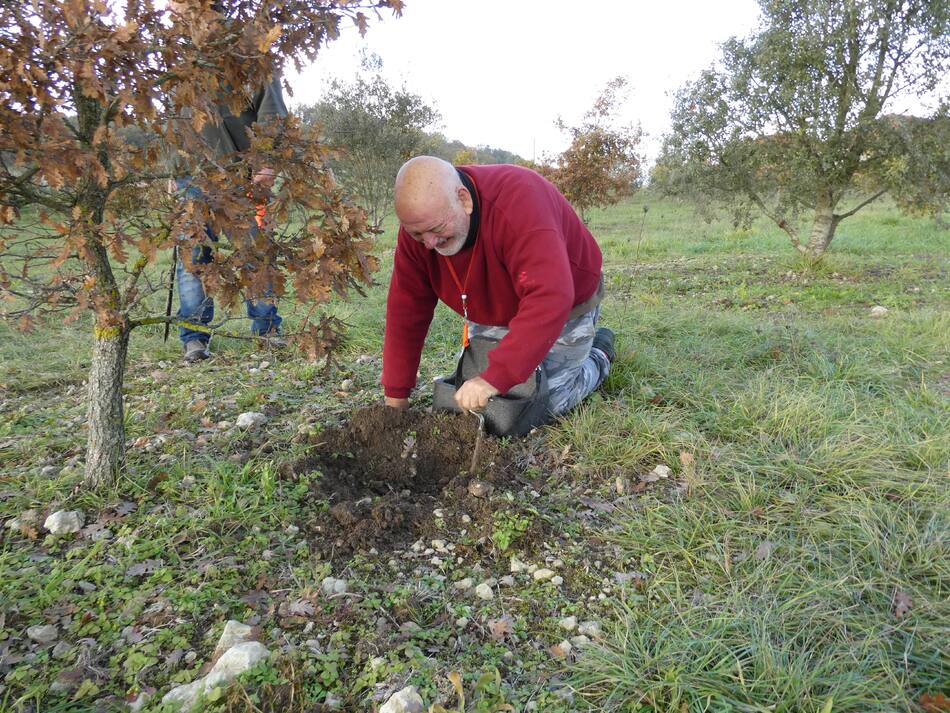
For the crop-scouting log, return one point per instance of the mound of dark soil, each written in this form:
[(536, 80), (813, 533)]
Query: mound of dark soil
[(385, 471)]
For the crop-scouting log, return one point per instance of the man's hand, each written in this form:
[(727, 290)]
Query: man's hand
[(474, 394), (398, 404)]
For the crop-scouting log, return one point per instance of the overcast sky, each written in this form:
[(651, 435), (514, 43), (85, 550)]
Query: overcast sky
[(501, 71)]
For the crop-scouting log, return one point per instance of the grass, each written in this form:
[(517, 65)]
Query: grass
[(797, 559)]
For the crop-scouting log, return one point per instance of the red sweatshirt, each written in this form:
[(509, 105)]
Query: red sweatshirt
[(533, 261)]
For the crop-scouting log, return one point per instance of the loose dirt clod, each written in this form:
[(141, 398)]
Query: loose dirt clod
[(383, 473)]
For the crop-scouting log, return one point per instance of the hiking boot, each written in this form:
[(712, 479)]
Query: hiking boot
[(604, 340), (196, 351)]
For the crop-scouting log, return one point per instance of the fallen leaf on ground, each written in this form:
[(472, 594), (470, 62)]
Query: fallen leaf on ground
[(144, 567), (764, 550), (935, 703), (500, 628), (902, 603)]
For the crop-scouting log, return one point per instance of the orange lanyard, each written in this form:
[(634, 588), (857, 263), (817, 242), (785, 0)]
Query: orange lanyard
[(462, 292)]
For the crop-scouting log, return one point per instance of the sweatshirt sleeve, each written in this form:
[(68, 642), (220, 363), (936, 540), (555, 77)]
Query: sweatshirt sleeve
[(410, 306), (539, 269)]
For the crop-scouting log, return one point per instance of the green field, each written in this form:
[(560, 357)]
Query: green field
[(797, 558)]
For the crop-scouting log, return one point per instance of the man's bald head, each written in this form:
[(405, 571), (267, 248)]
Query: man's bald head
[(432, 203)]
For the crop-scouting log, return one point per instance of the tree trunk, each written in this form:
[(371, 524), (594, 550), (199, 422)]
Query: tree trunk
[(822, 230), (105, 449)]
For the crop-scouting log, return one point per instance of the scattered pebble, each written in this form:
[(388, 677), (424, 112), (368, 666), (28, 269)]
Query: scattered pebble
[(407, 700), (251, 419), (568, 623), (878, 311), (484, 591), (62, 649), (580, 640), (517, 565), (557, 581), (463, 584), (331, 586), (590, 628), (43, 633), (346, 385), (480, 489), (542, 575), (507, 581), (64, 522)]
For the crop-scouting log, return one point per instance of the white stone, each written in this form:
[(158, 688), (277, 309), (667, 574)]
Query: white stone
[(466, 583), (557, 580), (64, 522), (507, 581), (541, 575), (517, 565), (466, 519), (62, 650), (484, 591), (238, 659), (439, 545), (184, 696), (407, 700), (48, 471), (480, 489), (580, 640), (331, 586), (589, 628), (43, 633), (568, 623), (234, 633), (878, 311), (436, 561), (139, 702), (461, 622), (251, 419), (346, 385)]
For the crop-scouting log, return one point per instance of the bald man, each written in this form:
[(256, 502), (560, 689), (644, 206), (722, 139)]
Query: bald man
[(504, 249)]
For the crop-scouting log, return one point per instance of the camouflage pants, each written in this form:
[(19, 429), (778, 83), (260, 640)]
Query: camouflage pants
[(573, 369)]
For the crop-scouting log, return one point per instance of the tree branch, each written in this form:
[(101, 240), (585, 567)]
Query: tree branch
[(842, 216)]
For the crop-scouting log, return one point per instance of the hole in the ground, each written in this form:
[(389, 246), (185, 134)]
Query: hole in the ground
[(385, 471)]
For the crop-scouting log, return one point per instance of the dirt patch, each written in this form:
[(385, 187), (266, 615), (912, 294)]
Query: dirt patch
[(384, 472)]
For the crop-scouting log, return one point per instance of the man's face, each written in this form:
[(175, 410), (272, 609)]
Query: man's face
[(443, 229)]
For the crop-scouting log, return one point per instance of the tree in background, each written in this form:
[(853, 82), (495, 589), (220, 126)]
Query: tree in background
[(92, 95), (793, 119), (919, 175), (377, 127), (601, 165), (465, 157)]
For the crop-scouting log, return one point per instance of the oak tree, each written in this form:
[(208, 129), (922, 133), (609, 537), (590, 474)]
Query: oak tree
[(793, 121), (602, 164), (377, 127), (84, 209)]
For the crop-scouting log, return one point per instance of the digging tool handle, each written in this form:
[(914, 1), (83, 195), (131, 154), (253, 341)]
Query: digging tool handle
[(476, 451)]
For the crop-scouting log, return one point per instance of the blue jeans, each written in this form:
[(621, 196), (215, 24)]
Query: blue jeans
[(195, 306), (574, 369)]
